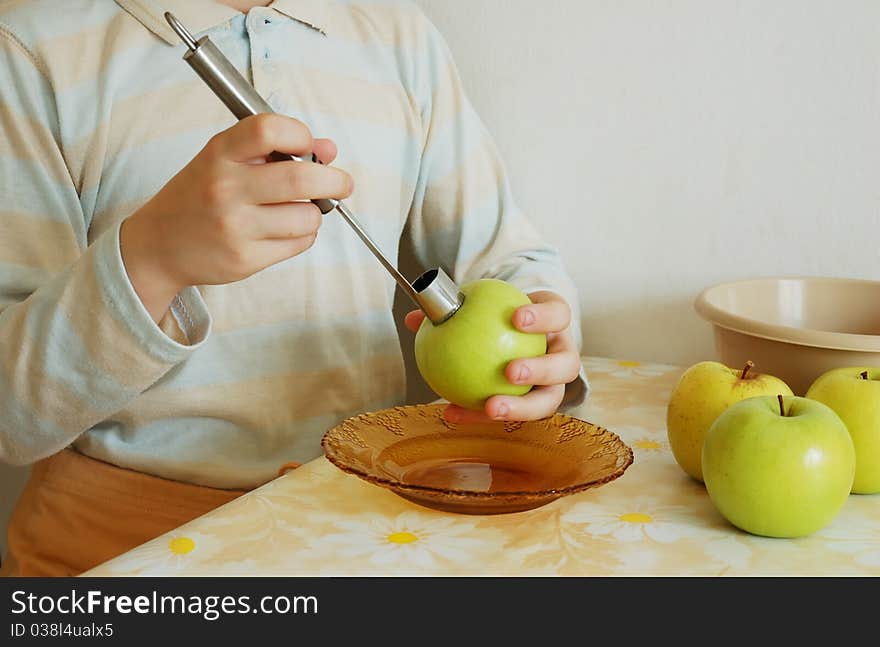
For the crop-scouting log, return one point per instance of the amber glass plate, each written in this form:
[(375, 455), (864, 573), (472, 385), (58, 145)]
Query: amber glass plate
[(487, 468)]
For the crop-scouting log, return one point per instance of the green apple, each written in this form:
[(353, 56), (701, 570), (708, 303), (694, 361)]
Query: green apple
[(703, 393), (463, 359), (778, 467), (854, 394)]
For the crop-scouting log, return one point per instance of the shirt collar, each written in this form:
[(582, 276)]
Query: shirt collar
[(201, 15), (314, 13)]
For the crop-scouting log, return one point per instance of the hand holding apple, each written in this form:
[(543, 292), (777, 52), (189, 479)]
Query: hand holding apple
[(854, 394), (703, 393), (778, 467), (489, 358)]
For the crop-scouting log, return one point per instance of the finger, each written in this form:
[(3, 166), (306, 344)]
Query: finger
[(414, 319), (540, 402), (549, 316), (460, 415), (270, 252), (262, 134), (289, 220), (288, 181), (561, 342), (325, 149), (554, 368)]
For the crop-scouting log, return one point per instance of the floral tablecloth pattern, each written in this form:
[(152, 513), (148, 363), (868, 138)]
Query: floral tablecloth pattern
[(653, 520)]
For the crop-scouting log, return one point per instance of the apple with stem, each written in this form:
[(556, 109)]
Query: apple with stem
[(778, 466), (854, 394), (703, 393)]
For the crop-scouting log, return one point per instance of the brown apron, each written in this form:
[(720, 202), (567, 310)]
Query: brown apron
[(77, 512)]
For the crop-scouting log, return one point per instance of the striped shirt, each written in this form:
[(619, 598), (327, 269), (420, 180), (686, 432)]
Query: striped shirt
[(98, 112)]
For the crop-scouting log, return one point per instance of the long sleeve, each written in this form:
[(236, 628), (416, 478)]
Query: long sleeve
[(464, 217), (76, 344)]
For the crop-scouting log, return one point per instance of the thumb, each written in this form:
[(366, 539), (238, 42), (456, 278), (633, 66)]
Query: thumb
[(414, 319)]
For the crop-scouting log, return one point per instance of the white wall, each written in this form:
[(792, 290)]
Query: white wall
[(668, 145)]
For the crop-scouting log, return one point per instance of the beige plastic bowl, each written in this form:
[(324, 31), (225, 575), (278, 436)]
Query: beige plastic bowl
[(795, 328)]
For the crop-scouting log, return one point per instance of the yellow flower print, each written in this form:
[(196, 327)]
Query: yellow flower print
[(650, 445), (409, 539), (629, 368), (636, 520), (636, 517), (181, 545), (170, 554), (625, 367)]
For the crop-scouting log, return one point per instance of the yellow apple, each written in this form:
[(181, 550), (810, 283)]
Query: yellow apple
[(854, 394), (703, 393)]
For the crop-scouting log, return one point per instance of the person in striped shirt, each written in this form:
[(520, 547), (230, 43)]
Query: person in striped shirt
[(176, 320)]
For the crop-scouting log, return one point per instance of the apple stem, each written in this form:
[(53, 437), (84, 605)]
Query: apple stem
[(864, 375), (746, 369), (781, 406)]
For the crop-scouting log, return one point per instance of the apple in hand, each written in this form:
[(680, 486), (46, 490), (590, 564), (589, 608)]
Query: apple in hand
[(702, 394), (854, 394), (463, 359), (778, 467)]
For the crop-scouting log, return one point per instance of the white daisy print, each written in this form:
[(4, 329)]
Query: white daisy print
[(169, 554), (855, 533), (630, 368), (730, 551), (409, 539), (637, 520)]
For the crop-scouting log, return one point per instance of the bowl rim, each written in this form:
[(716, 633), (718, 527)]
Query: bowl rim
[(473, 494), (812, 337)]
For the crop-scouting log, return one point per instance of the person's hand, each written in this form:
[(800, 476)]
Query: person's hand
[(228, 214), (550, 314)]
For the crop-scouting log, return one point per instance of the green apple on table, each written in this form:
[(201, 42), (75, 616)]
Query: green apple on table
[(463, 359), (703, 393), (854, 394), (778, 467)]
